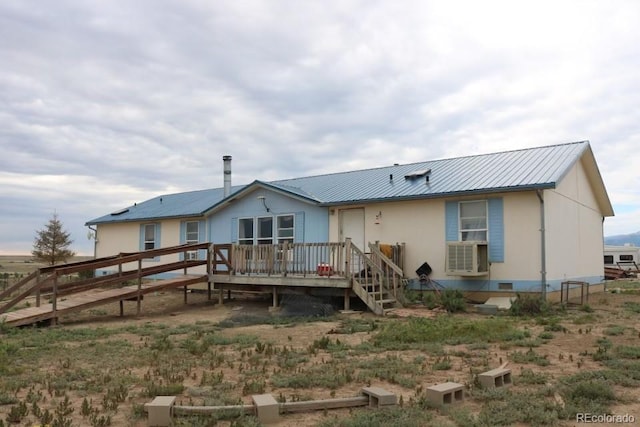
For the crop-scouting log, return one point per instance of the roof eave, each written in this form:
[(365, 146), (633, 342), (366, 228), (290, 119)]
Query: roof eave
[(480, 191), (155, 218)]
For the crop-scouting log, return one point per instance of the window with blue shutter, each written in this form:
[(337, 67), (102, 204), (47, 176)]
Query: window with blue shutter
[(494, 223)]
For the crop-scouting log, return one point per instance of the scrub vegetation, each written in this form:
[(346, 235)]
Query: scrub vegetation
[(564, 361)]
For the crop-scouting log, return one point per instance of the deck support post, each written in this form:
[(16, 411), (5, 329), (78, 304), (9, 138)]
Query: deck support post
[(121, 308), (221, 295), (185, 295), (347, 300), (275, 297)]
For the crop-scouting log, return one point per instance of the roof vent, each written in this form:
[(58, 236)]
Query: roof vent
[(120, 212), (417, 174)]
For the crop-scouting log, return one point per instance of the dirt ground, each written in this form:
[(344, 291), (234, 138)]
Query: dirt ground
[(567, 351)]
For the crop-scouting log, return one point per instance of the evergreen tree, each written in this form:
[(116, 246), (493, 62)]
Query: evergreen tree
[(52, 243)]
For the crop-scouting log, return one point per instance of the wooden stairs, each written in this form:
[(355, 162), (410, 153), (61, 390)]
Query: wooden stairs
[(378, 284)]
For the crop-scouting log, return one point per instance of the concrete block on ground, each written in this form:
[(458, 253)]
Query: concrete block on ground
[(379, 397), (159, 411), (267, 408), (499, 377), (445, 394)]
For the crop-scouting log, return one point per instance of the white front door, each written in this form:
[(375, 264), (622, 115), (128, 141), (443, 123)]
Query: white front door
[(352, 226)]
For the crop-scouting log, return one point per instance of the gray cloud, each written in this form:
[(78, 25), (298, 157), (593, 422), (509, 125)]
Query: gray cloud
[(106, 103)]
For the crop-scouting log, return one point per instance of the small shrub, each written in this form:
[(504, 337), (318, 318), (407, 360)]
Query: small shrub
[(545, 335), (614, 330), (628, 352), (586, 308), (529, 305), (443, 364), (527, 376), (453, 301), (529, 357), (632, 306)]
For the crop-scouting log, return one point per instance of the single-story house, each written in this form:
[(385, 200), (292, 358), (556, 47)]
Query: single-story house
[(515, 221)]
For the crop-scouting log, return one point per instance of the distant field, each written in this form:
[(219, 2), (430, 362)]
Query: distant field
[(25, 264)]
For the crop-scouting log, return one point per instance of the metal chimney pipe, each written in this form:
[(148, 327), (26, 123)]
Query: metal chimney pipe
[(227, 175)]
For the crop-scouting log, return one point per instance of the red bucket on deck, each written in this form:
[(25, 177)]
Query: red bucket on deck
[(324, 270)]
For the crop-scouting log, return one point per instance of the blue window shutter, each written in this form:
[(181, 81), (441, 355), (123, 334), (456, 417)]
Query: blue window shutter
[(451, 221), (183, 232), (298, 224), (496, 230), (141, 237), (183, 236), (234, 230)]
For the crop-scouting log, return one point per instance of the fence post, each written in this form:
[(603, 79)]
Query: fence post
[(139, 286), (38, 289), (209, 260)]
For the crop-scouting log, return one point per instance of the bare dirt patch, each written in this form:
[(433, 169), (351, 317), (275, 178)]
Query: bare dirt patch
[(170, 335)]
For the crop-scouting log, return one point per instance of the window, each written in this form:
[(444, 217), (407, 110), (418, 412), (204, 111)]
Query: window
[(473, 221), (245, 232), (265, 230), (149, 236), (626, 257), (285, 229), (608, 259), (192, 232)]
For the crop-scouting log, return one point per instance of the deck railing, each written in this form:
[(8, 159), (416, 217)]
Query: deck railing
[(47, 281), (289, 259)]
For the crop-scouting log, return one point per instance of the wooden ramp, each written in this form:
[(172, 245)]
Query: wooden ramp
[(78, 302)]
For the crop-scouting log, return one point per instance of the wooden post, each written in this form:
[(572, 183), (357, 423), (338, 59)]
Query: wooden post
[(221, 295), (38, 291), (209, 258), (285, 258), (275, 297), (347, 258), (54, 302), (121, 308), (139, 286), (185, 294), (347, 300)]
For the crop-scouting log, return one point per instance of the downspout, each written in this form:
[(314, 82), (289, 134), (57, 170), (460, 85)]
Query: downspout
[(543, 248)]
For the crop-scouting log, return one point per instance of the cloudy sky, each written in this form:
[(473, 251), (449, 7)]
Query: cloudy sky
[(106, 103)]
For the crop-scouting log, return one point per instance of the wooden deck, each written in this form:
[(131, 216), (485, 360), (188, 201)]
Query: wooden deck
[(78, 302), (336, 268)]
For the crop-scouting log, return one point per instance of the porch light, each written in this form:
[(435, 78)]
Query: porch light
[(264, 203), (378, 219)]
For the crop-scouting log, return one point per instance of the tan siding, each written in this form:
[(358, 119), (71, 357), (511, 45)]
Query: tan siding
[(574, 228)]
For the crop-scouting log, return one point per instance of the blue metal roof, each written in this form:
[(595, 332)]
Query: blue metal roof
[(178, 205), (530, 168)]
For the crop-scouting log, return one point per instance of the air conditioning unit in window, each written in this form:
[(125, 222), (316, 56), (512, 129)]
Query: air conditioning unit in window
[(192, 256), (469, 258)]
